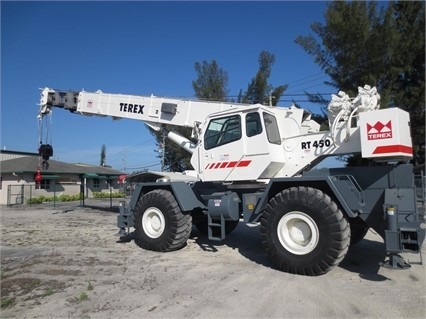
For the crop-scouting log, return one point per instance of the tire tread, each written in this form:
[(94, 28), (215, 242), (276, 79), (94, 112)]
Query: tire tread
[(337, 225)]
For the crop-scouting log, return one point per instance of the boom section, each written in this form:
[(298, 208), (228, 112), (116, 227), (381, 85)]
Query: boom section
[(155, 111)]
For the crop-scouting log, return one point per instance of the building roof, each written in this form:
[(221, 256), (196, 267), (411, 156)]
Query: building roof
[(30, 164), (8, 155), (19, 153)]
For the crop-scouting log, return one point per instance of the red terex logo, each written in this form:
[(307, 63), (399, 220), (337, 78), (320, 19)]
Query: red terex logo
[(379, 131)]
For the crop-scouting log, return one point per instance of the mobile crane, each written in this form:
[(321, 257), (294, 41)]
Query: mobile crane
[(252, 164)]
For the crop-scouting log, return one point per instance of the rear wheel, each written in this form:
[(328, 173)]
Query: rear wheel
[(159, 223), (304, 232)]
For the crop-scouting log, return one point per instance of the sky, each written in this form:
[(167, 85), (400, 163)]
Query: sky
[(142, 48)]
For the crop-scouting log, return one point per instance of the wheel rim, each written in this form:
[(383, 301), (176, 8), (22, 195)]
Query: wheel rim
[(153, 222), (298, 233)]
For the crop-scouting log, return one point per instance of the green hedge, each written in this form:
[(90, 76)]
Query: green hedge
[(108, 195), (69, 198), (60, 198)]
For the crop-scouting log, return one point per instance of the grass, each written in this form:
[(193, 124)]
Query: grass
[(6, 302), (50, 291), (31, 284), (83, 296)]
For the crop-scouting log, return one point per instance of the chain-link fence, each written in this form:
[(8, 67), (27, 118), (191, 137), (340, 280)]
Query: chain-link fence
[(31, 195)]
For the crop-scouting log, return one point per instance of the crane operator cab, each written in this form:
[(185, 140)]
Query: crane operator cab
[(245, 144)]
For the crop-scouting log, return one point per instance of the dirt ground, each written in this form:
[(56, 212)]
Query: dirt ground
[(65, 262)]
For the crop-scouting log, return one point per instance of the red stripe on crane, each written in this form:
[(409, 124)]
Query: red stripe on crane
[(393, 149), (223, 165), (232, 164), (243, 163), (228, 164)]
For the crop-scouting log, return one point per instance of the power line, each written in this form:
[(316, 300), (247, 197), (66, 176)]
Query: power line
[(302, 94), (143, 167), (302, 80), (296, 101), (130, 147), (310, 81)]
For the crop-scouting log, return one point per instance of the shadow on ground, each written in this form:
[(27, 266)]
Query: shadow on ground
[(363, 258), (245, 239)]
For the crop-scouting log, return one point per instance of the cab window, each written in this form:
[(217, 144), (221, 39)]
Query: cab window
[(222, 131), (271, 127), (253, 125)]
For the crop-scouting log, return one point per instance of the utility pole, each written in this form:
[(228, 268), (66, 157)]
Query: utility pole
[(125, 162)]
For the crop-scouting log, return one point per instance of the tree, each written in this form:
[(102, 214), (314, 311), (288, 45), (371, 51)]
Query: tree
[(176, 159), (409, 86), (368, 43), (103, 155), (211, 84), (259, 90)]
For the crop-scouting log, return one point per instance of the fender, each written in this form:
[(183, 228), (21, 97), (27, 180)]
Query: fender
[(359, 191), (342, 188), (183, 193)]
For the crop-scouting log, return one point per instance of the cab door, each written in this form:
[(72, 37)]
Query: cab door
[(222, 148), (262, 150), (256, 143)]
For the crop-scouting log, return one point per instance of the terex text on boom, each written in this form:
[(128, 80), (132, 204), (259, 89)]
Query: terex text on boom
[(131, 108)]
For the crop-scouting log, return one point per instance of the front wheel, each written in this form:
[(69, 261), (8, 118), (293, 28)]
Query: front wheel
[(304, 231), (159, 223)]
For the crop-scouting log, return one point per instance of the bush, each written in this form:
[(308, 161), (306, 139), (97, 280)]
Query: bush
[(108, 195), (35, 200), (69, 198), (61, 198)]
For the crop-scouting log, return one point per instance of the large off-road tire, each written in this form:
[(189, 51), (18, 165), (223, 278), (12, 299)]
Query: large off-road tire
[(200, 222), (159, 223), (359, 229), (304, 232)]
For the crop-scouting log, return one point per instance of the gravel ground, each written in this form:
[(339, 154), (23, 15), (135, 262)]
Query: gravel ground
[(65, 262)]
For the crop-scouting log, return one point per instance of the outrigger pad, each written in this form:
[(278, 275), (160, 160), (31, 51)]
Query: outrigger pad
[(45, 151), (395, 262)]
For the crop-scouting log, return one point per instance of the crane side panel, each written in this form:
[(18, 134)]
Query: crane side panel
[(385, 134)]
